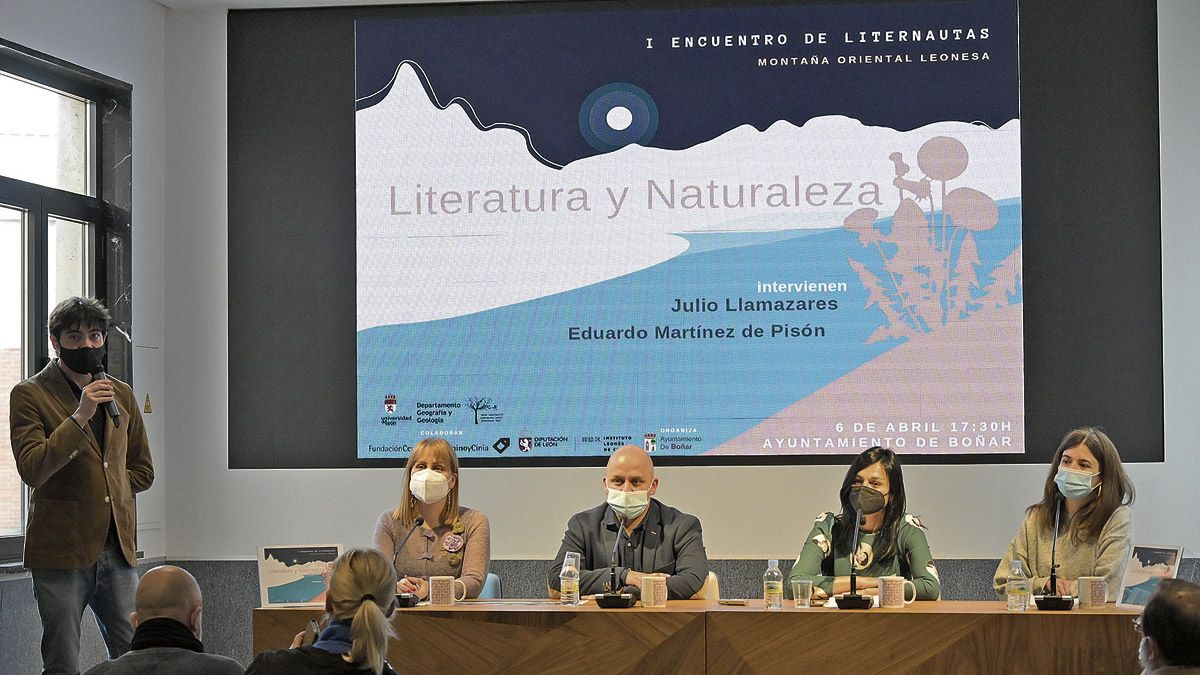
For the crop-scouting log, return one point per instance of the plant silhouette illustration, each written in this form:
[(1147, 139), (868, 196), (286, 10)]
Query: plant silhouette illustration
[(929, 277)]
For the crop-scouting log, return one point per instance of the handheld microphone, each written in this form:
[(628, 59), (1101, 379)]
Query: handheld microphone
[(1053, 601), (110, 407), (615, 598), (406, 599)]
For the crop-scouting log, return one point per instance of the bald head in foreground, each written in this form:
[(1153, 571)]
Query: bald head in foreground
[(166, 637), (655, 538), (169, 592)]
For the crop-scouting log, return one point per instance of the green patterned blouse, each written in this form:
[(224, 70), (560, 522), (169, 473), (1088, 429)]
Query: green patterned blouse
[(912, 560)]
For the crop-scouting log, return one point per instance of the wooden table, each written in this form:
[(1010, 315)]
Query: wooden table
[(476, 637), (697, 636), (925, 637)]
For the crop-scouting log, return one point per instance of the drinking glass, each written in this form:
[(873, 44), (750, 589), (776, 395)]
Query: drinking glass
[(801, 593)]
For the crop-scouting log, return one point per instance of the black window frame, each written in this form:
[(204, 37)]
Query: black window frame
[(109, 211)]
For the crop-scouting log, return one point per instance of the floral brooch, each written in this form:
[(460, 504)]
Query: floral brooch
[(453, 543)]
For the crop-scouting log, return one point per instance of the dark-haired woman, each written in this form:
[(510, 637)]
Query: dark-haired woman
[(890, 542), (1091, 492)]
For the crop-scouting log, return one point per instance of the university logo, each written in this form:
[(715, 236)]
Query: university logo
[(389, 404)]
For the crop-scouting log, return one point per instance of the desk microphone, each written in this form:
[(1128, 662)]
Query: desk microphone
[(110, 407), (406, 599), (1053, 601), (615, 598), (865, 501)]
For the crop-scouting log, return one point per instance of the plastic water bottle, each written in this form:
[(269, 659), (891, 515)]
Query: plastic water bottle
[(773, 586), (1018, 589), (568, 580)]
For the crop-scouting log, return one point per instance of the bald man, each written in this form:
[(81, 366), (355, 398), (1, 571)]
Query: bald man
[(654, 538), (166, 636)]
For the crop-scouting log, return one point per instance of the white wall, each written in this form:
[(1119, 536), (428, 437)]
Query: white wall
[(123, 39), (215, 513)]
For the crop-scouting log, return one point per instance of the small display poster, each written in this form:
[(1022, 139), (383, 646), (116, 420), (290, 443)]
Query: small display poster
[(1148, 566), (295, 576)]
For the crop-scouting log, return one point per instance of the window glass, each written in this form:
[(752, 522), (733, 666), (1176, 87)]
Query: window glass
[(68, 246), (44, 136), (12, 358)]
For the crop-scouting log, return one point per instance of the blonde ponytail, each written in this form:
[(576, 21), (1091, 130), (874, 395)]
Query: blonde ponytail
[(369, 631), (362, 585)]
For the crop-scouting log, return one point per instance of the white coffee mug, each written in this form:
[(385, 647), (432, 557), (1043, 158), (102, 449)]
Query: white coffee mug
[(654, 591), (1093, 592), (892, 592), (441, 591)]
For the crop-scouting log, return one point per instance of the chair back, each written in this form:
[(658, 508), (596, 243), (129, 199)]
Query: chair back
[(491, 588), (711, 590)]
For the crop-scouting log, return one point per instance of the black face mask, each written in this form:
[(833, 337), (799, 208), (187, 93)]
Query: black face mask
[(85, 360), (867, 498)]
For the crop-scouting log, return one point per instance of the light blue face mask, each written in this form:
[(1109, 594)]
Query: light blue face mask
[(1075, 484)]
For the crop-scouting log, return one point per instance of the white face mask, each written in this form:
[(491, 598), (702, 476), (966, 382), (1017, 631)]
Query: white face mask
[(628, 505), (429, 486)]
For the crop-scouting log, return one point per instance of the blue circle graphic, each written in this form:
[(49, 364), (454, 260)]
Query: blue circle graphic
[(594, 116)]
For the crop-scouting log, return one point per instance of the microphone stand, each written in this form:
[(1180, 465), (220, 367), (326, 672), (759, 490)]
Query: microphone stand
[(406, 599), (615, 598), (1053, 601), (853, 600)]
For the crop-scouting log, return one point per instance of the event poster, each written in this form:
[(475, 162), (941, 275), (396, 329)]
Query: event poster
[(740, 231), (290, 576)]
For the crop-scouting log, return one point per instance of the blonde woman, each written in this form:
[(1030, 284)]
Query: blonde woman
[(360, 599), (451, 540)]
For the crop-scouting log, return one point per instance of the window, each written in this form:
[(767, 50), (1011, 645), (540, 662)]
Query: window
[(64, 226)]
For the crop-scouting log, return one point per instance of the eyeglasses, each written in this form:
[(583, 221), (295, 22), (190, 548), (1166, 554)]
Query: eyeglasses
[(1137, 624)]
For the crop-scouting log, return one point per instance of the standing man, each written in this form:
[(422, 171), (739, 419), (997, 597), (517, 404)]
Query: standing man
[(84, 466), (657, 538)]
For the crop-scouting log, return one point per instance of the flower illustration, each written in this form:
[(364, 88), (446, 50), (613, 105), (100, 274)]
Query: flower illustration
[(920, 269)]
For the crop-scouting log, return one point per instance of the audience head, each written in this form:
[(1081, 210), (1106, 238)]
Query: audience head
[(168, 592), (1086, 467), (1170, 626), (875, 468), (430, 476), (362, 592), (629, 481)]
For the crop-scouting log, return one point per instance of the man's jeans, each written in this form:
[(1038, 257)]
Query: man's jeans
[(108, 587)]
